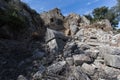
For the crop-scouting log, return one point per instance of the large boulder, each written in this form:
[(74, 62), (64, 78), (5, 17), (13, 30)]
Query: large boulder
[(92, 53), (52, 34), (71, 49), (74, 29), (56, 68), (89, 69), (115, 40), (109, 50), (112, 60), (77, 74), (81, 58), (55, 40), (110, 71)]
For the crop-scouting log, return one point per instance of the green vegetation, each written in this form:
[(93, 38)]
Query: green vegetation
[(103, 13), (116, 9), (12, 18), (113, 14)]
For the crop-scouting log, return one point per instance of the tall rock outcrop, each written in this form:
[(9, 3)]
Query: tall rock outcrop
[(53, 19), (20, 27), (18, 21)]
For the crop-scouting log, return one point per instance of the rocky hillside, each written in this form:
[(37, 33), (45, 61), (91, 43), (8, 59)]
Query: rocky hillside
[(50, 46)]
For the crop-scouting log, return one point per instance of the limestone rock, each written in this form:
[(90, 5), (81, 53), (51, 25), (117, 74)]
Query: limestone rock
[(53, 19), (70, 61), (69, 49), (56, 68), (109, 50), (73, 19), (52, 34), (115, 40), (73, 29), (78, 74), (92, 53), (89, 69), (112, 60), (107, 25), (39, 74), (110, 71), (21, 77), (84, 21), (55, 40), (81, 58), (118, 77), (71, 23)]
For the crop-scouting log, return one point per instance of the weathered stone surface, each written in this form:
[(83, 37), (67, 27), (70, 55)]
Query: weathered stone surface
[(70, 61), (80, 35), (99, 62), (55, 40), (56, 45), (39, 74), (53, 19), (92, 53), (89, 69), (109, 50), (81, 58), (73, 29), (110, 71), (112, 60), (115, 40), (56, 68), (107, 25), (83, 46), (93, 35), (73, 19), (84, 21), (118, 77), (92, 46), (101, 79), (70, 49), (71, 23), (21, 77), (78, 74), (52, 34)]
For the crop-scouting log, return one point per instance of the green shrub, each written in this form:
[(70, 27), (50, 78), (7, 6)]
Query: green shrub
[(15, 21)]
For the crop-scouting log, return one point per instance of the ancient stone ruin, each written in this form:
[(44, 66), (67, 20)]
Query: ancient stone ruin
[(50, 46)]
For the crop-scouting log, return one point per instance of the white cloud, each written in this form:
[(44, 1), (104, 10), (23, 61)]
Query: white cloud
[(92, 2), (89, 3), (27, 1)]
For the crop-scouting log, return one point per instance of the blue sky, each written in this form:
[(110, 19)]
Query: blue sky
[(69, 6)]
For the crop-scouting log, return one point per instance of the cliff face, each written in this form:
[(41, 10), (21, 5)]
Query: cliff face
[(50, 46), (20, 27), (18, 21)]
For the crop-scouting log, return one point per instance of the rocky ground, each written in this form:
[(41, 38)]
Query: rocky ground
[(50, 46)]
